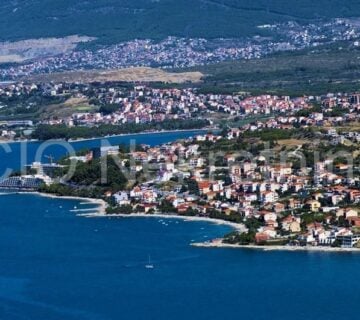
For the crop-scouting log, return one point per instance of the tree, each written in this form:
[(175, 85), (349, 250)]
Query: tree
[(108, 109), (192, 186), (166, 207), (244, 238)]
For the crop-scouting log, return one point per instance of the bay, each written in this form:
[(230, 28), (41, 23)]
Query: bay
[(56, 265), (14, 156)]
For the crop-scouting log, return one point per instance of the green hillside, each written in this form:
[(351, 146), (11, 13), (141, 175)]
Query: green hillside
[(304, 72), (117, 20)]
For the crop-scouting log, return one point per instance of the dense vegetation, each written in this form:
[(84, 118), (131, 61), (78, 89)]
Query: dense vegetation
[(87, 174), (329, 69), (88, 182), (26, 106), (47, 132), (279, 134), (66, 190), (117, 20)]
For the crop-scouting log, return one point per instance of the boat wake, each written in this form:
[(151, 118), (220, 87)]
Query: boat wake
[(83, 210), (88, 215)]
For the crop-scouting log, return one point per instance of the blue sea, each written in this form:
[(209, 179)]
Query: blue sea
[(16, 155), (55, 264)]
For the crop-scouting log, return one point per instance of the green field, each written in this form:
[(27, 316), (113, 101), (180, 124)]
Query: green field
[(116, 20)]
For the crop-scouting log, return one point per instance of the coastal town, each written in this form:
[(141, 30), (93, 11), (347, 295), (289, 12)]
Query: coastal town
[(90, 105), (284, 168), (288, 178), (179, 159), (114, 103), (175, 52)]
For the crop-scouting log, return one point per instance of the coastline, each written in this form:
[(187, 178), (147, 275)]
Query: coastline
[(137, 134), (101, 209), (236, 226), (110, 136), (219, 244), (18, 141), (102, 205)]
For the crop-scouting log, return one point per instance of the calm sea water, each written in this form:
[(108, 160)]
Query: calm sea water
[(57, 265), (15, 155)]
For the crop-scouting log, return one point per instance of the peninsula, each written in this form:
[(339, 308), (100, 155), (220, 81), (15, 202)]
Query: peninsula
[(289, 177)]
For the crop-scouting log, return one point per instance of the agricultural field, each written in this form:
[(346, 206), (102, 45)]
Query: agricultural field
[(122, 75)]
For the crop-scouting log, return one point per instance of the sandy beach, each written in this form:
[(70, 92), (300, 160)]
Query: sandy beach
[(101, 210), (236, 226), (102, 205), (219, 244)]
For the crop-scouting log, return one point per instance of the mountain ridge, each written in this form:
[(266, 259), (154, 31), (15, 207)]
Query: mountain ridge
[(114, 21)]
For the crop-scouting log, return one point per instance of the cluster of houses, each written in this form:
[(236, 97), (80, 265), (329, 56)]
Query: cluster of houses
[(176, 52), (277, 195), (280, 196), (7, 134), (143, 104)]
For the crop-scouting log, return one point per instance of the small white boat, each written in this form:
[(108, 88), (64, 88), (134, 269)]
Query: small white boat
[(149, 265)]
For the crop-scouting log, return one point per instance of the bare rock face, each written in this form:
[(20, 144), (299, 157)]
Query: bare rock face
[(31, 49)]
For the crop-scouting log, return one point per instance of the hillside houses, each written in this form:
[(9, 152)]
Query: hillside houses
[(277, 195)]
